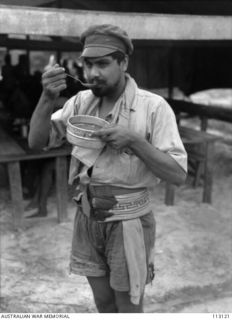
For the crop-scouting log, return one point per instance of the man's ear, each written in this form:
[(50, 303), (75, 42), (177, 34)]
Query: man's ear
[(125, 62)]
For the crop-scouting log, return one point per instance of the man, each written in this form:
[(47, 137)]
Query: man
[(114, 228)]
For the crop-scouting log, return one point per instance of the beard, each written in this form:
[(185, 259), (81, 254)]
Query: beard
[(102, 91), (98, 92)]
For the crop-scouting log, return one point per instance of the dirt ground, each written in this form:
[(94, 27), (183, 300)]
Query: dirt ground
[(193, 251)]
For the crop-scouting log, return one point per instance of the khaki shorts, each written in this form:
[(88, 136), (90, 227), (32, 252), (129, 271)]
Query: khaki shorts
[(98, 249)]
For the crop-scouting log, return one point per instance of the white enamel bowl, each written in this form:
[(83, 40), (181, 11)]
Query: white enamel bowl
[(80, 129)]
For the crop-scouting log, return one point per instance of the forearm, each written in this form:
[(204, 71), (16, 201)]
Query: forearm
[(161, 164), (40, 123)]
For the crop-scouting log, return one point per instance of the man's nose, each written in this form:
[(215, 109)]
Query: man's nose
[(94, 72)]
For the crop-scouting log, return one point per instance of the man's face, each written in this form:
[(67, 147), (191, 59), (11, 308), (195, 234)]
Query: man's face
[(105, 72)]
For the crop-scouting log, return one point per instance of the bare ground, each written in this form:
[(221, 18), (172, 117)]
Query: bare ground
[(193, 251)]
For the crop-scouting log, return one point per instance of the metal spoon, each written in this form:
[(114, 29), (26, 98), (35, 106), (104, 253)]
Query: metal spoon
[(88, 85)]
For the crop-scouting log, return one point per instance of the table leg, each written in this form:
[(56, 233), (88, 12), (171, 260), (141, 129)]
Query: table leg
[(208, 174), (169, 194), (204, 123), (61, 188), (16, 192)]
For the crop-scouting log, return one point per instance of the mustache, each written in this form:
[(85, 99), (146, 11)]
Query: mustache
[(96, 82)]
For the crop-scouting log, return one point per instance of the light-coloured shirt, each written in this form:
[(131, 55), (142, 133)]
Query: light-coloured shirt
[(139, 110)]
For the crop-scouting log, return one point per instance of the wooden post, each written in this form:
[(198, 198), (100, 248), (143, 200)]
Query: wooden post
[(16, 192), (169, 194), (170, 73), (204, 123), (61, 187), (208, 173)]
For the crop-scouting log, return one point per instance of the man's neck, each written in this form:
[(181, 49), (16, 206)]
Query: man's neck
[(111, 99)]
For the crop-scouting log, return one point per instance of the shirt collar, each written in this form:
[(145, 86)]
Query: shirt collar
[(123, 104), (125, 101)]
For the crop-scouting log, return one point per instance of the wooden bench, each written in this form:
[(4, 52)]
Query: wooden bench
[(11, 153), (200, 148)]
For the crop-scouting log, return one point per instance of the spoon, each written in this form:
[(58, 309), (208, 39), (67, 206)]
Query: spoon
[(88, 85)]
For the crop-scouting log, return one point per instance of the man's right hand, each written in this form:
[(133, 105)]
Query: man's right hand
[(53, 81)]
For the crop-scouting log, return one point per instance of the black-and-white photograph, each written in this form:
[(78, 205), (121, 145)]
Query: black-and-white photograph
[(116, 158)]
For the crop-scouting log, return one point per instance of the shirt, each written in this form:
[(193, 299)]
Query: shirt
[(144, 112)]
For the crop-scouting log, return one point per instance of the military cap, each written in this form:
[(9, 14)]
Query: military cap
[(100, 40)]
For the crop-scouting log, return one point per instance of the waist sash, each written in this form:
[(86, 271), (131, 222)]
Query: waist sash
[(130, 204)]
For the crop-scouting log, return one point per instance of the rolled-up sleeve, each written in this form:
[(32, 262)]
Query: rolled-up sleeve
[(165, 134), (57, 135)]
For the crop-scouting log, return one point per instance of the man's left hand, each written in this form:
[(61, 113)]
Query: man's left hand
[(116, 136)]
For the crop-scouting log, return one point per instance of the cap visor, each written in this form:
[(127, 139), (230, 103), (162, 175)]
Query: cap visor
[(93, 52)]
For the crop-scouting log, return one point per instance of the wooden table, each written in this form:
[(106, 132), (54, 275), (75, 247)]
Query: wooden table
[(11, 153), (200, 148)]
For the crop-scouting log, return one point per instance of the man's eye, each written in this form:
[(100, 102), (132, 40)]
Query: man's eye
[(102, 64), (88, 64)]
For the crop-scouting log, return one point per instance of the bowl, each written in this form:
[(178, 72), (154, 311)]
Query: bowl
[(80, 129)]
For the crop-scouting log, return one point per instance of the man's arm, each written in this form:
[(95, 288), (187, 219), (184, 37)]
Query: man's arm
[(161, 164), (53, 82)]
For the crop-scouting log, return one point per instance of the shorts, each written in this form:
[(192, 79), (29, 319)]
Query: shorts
[(98, 249)]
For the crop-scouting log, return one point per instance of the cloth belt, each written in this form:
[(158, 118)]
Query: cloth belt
[(126, 203)]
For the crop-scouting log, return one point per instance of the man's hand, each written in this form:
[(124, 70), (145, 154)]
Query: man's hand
[(53, 81), (160, 163), (116, 136)]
